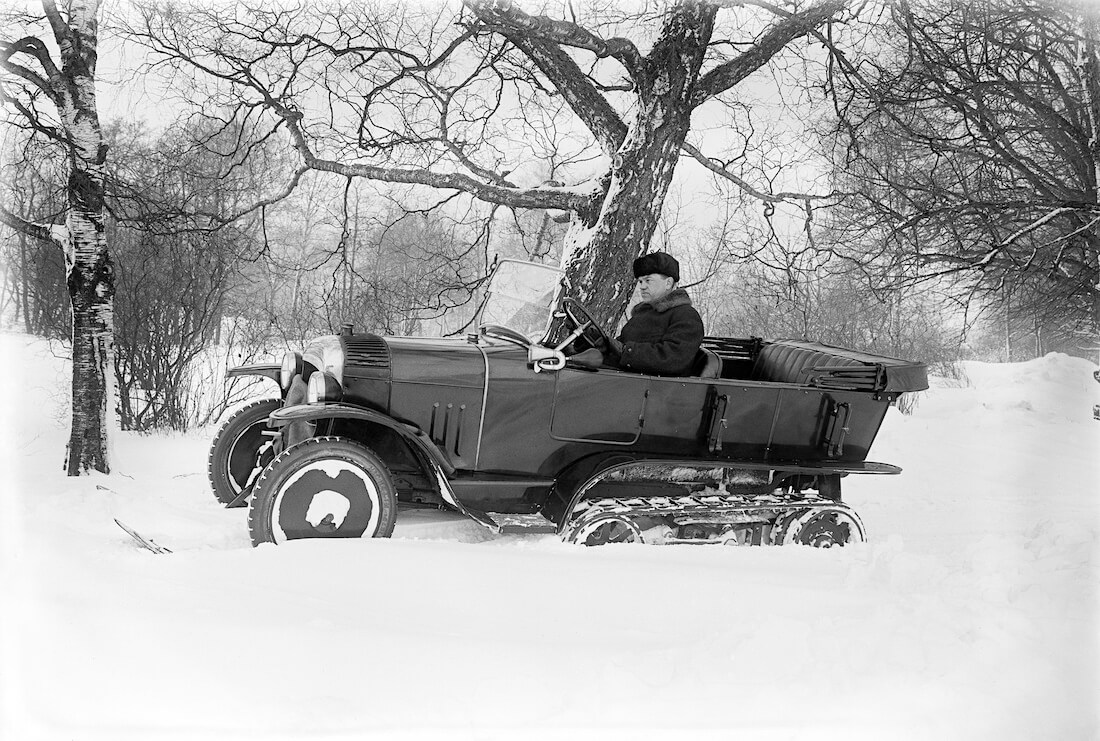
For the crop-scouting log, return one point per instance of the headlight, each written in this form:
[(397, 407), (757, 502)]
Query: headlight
[(292, 366), (323, 387)]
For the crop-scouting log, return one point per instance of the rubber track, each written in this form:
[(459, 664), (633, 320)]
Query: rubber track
[(711, 509)]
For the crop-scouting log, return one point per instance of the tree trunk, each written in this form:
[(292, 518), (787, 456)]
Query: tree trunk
[(600, 251), (90, 276)]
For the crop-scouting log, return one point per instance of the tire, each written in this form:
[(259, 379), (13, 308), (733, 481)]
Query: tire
[(236, 447), (298, 495)]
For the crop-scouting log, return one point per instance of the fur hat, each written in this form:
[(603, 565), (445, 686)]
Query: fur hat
[(657, 262)]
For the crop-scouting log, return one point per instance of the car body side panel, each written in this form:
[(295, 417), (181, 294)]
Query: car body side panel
[(439, 386), (799, 428), (763, 421), (590, 406), (516, 432)]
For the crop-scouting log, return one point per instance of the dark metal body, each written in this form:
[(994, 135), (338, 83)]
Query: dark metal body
[(472, 424)]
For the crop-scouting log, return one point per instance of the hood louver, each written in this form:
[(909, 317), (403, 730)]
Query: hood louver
[(366, 356)]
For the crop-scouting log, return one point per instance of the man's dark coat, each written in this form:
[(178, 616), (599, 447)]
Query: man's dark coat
[(663, 337)]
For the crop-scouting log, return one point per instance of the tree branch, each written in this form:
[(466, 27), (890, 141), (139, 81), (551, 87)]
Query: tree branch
[(61, 30), (566, 199), (44, 232), (34, 48), (510, 19), (564, 73), (33, 119), (715, 167), (794, 25)]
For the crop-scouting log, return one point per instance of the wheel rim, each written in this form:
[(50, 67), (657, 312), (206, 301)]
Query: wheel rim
[(610, 530), (243, 454), (828, 529), (330, 498)]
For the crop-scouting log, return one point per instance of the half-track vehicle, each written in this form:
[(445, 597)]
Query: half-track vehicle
[(511, 431)]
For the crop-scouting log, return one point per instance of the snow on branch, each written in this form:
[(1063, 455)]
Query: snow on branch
[(1028, 229), (56, 234), (506, 15), (33, 229)]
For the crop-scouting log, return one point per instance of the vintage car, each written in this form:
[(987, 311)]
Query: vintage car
[(510, 430)]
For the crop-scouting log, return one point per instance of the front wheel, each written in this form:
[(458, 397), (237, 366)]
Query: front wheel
[(323, 487), (235, 452)]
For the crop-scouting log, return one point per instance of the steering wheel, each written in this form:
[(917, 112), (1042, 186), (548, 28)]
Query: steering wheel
[(582, 321)]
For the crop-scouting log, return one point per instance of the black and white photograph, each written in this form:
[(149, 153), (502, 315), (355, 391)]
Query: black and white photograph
[(550, 370)]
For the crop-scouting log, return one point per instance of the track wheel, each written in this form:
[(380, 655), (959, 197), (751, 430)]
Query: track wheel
[(235, 452), (784, 526), (613, 529), (323, 487), (826, 528)]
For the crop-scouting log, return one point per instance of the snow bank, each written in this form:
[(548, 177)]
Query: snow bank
[(971, 614)]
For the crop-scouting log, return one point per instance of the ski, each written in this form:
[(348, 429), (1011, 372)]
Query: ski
[(146, 543)]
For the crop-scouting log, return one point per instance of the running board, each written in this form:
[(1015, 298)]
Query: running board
[(508, 524)]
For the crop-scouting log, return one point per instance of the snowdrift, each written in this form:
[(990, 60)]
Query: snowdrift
[(972, 613)]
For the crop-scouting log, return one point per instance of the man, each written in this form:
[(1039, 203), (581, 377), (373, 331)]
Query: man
[(664, 331)]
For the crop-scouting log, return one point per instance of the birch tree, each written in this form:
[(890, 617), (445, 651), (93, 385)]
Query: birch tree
[(417, 96), (49, 86)]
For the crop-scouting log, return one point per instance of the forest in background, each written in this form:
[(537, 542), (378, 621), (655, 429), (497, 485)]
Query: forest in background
[(921, 181)]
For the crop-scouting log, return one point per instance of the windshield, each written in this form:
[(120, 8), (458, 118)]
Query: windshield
[(521, 296)]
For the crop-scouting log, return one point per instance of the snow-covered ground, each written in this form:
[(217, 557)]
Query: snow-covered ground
[(972, 613)]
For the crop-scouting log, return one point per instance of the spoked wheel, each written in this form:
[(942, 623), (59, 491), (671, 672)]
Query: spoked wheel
[(323, 487), (236, 451), (825, 528), (609, 530)]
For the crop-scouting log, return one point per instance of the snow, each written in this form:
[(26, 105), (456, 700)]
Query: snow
[(972, 612)]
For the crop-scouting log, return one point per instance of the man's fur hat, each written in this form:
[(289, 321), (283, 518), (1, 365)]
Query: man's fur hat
[(657, 262)]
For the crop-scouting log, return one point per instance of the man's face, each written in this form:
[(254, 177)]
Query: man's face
[(654, 286)]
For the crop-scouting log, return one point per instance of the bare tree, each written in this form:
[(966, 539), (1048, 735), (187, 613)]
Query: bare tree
[(173, 277), (417, 96), (973, 144), (56, 98), (34, 291)]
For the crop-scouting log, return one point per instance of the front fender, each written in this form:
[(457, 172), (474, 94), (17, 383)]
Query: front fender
[(260, 369), (313, 412)]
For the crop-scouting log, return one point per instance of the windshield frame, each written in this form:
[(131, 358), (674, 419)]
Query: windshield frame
[(521, 295)]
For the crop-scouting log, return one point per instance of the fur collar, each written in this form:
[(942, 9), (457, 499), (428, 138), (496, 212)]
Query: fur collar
[(672, 299)]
